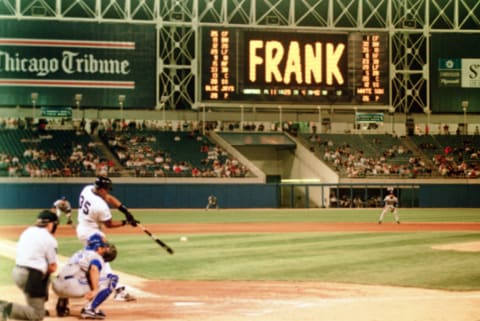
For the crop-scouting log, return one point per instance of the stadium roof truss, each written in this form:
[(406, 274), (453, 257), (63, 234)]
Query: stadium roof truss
[(408, 22)]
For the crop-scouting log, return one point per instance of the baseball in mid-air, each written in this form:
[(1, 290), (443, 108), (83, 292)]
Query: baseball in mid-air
[(183, 239)]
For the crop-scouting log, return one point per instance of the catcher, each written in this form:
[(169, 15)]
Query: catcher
[(85, 276)]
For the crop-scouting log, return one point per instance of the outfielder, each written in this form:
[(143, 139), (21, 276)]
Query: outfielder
[(36, 260), (85, 276), (94, 212), (62, 205), (390, 204)]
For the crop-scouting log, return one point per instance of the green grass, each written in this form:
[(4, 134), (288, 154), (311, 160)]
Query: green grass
[(25, 217), (401, 259)]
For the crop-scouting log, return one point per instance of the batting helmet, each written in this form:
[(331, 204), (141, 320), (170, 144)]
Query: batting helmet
[(95, 241), (110, 253), (103, 182)]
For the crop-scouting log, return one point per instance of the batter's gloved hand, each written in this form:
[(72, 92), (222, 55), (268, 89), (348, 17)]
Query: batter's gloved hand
[(131, 220)]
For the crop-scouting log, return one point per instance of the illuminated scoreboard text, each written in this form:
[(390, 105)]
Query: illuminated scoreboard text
[(273, 66), (372, 89), (219, 85)]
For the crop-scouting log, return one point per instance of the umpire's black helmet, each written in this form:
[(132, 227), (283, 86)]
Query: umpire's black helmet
[(45, 217), (103, 182)]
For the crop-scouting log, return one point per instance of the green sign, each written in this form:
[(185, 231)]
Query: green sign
[(58, 60), (64, 112), (369, 117)]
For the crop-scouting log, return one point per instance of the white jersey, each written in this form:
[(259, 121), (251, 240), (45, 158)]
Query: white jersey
[(92, 212), (36, 248), (390, 201), (72, 280), (79, 264)]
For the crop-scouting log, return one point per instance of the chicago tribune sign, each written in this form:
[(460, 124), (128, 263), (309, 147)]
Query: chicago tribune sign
[(61, 59), (71, 62)]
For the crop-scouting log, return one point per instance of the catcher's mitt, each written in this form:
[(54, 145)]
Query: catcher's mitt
[(110, 253)]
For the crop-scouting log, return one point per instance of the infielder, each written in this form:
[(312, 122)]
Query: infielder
[(36, 260), (94, 212), (85, 276), (390, 204), (212, 202), (62, 205)]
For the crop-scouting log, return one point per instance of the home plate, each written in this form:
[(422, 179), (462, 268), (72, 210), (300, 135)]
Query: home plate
[(188, 304)]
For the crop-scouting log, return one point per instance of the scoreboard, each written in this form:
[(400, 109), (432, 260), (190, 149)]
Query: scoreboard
[(285, 67)]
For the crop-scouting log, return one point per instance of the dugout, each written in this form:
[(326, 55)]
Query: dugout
[(346, 195)]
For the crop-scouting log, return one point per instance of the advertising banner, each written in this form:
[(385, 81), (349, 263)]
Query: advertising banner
[(454, 72), (369, 117), (58, 60)]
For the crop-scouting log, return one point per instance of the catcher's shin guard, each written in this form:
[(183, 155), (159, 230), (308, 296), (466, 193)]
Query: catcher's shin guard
[(62, 307)]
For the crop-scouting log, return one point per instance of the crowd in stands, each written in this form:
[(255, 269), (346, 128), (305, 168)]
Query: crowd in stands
[(38, 151), (150, 153), (52, 154), (459, 161), (152, 148), (368, 158)]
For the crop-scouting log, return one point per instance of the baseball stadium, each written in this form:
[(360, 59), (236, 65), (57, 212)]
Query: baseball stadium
[(230, 160)]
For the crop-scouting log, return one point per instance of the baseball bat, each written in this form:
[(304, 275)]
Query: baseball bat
[(156, 239)]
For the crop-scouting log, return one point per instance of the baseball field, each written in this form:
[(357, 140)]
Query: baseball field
[(282, 264)]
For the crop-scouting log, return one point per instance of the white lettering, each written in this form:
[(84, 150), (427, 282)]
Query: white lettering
[(39, 66), (67, 61), (71, 63)]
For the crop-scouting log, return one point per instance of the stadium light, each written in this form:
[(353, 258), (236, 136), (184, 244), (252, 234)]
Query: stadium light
[(78, 99), (163, 106), (465, 107), (121, 101), (280, 118), (391, 111), (319, 108), (428, 112), (242, 117), (34, 97)]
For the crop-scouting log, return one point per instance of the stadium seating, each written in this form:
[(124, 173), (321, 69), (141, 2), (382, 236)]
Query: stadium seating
[(27, 152), (154, 153), (170, 154), (356, 156)]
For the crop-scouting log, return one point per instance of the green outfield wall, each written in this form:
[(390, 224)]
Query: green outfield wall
[(188, 195)]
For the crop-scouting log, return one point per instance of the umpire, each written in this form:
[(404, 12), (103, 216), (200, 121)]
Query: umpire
[(36, 260)]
